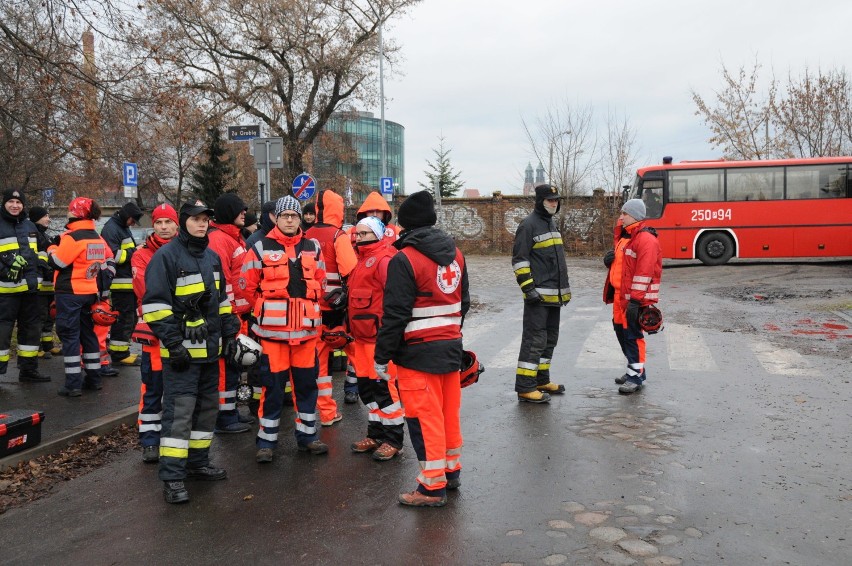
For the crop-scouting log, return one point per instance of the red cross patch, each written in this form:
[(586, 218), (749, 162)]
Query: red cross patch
[(449, 277)]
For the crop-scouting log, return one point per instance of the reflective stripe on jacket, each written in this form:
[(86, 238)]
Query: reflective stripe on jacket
[(120, 240), (538, 259), (79, 258)]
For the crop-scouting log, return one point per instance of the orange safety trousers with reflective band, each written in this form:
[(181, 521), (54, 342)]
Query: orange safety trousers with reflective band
[(393, 412), (326, 404), (432, 406)]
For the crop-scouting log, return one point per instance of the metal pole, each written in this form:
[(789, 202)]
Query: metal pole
[(268, 191), (382, 105)]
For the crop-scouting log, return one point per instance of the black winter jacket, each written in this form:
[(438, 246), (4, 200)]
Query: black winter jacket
[(18, 236), (538, 259), (120, 240)]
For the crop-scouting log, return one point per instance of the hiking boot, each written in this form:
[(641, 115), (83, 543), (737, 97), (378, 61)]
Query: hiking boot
[(534, 397), (621, 380), (316, 447), (386, 452), (92, 385), (175, 492), (131, 360), (264, 456), (32, 375), (337, 418), (65, 392), (246, 419), (629, 387), (233, 428), (453, 483), (417, 499), (366, 445), (108, 371), (150, 454), (350, 397), (56, 350), (206, 473), (551, 388)]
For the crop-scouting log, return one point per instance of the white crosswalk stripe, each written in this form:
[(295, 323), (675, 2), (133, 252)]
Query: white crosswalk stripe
[(508, 356), (686, 349), (600, 349), (779, 361)]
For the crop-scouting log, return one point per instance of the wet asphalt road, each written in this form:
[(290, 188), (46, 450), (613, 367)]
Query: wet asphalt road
[(736, 452)]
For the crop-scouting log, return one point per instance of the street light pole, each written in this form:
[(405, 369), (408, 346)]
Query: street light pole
[(382, 103)]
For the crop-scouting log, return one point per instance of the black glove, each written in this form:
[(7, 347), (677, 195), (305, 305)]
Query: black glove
[(336, 299), (633, 318), (608, 258), (229, 350), (179, 357), (55, 240), (196, 330), (532, 298)]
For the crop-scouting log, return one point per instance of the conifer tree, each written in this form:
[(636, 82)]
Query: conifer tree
[(442, 173), (212, 177)]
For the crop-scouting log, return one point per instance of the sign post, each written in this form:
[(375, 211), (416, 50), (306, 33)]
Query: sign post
[(268, 154), (130, 178)]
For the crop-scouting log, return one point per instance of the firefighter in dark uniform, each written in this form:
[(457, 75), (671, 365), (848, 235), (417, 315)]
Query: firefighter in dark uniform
[(19, 280), (188, 309), (84, 267), (424, 305), (116, 233), (538, 260), (41, 218)]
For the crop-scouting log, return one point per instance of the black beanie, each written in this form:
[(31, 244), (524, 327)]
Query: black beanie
[(37, 213), (131, 210), (9, 194), (309, 208), (417, 210), (227, 207)]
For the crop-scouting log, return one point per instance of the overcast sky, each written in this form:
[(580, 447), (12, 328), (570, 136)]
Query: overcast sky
[(471, 70)]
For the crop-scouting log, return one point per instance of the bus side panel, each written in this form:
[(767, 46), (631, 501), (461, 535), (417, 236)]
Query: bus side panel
[(829, 241), (765, 242)]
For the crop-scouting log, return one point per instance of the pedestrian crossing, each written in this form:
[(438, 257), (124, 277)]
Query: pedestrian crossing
[(681, 347)]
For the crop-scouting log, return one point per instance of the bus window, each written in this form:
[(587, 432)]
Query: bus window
[(816, 181), (702, 185), (652, 196), (764, 183)]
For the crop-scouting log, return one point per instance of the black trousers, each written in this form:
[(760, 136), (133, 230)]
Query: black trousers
[(540, 334), (119, 333), (20, 309)]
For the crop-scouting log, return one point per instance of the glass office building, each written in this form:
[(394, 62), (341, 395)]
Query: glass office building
[(353, 149)]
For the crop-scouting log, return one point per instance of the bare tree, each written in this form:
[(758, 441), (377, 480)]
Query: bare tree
[(740, 120), (617, 162), (287, 63)]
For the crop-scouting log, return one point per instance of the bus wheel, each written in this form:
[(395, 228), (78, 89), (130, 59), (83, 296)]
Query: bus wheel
[(715, 248)]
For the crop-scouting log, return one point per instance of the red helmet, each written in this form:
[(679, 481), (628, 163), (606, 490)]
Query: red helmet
[(52, 310), (650, 319), (103, 313), (470, 369), (336, 337)]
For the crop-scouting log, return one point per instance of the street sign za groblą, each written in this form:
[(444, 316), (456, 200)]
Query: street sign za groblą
[(243, 133)]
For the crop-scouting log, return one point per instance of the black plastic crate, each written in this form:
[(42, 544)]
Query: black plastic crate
[(20, 429)]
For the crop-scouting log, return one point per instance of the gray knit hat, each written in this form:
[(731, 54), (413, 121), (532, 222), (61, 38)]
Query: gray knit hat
[(635, 208), (287, 203)]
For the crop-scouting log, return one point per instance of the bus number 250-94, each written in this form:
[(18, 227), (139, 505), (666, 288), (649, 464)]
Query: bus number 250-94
[(700, 215)]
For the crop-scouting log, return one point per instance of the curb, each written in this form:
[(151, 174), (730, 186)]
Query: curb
[(100, 425)]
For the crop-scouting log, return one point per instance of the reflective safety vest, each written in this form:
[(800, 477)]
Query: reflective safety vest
[(280, 316), (436, 314), (366, 292)]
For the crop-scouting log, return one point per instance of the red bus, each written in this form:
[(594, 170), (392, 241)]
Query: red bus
[(716, 210)]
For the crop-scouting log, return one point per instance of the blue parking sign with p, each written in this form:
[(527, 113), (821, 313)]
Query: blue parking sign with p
[(386, 185), (131, 174)]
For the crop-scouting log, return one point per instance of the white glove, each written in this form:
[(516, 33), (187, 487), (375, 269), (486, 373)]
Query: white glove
[(382, 371)]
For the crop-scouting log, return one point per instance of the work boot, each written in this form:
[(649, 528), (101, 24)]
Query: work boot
[(366, 445), (350, 397), (206, 473), (150, 454), (534, 397), (417, 499), (56, 350), (108, 371), (233, 428), (386, 452), (336, 418), (92, 385), (264, 456), (32, 375), (316, 447), (247, 419), (453, 483), (551, 388), (175, 492), (131, 360), (620, 380), (629, 388), (65, 392)]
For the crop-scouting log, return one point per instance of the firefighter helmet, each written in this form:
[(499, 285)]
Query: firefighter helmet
[(471, 368), (103, 314), (248, 352), (336, 337), (650, 319)]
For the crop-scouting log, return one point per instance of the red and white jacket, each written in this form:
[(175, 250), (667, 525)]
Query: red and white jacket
[(637, 268)]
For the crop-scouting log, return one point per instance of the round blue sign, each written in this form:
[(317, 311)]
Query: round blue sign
[(304, 186)]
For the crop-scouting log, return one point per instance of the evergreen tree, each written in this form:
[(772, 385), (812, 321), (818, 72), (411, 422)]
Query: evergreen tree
[(211, 178), (441, 173)]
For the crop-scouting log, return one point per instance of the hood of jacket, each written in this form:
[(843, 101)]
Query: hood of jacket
[(375, 201), (432, 242), (330, 208)]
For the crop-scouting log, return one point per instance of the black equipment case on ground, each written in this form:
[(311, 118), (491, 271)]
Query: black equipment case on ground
[(20, 429)]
